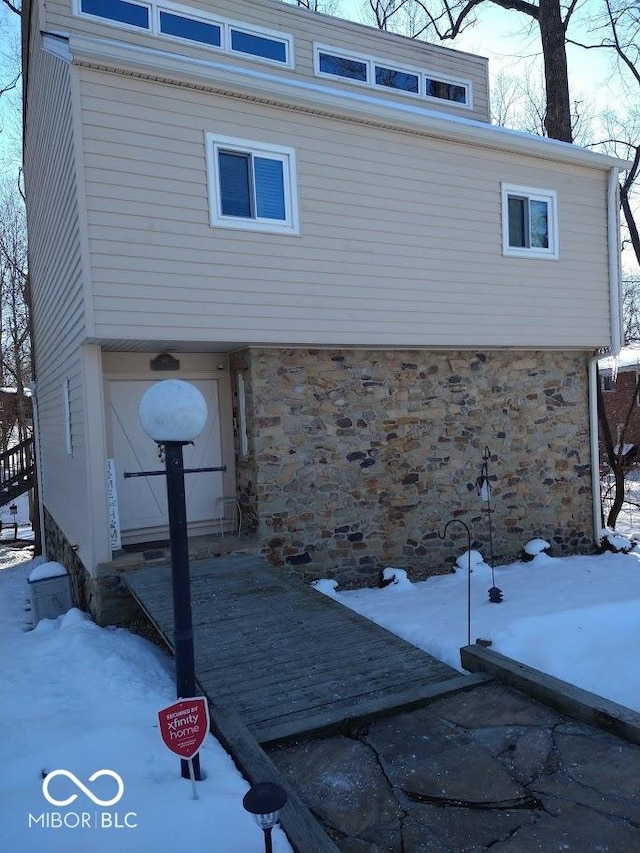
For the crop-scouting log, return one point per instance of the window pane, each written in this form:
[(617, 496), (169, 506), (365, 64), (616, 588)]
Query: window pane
[(517, 221), (188, 28), (269, 181), (396, 79), (235, 185), (118, 10), (258, 46), (343, 67), (446, 91), (539, 223)]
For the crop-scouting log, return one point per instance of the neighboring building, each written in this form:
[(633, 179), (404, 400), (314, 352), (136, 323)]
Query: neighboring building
[(315, 223), (619, 381)]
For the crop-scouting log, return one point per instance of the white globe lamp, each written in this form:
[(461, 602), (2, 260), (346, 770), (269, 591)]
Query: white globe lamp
[(173, 411)]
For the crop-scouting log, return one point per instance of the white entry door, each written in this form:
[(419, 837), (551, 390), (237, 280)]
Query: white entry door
[(142, 501)]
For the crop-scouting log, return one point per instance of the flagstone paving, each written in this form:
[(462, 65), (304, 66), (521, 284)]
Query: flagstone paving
[(485, 769)]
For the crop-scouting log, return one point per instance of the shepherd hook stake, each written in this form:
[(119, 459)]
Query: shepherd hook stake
[(484, 492), (443, 536)]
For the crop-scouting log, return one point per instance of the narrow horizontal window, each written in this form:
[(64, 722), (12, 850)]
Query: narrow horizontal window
[(529, 222), (191, 29), (376, 73), (342, 66), (254, 45), (121, 11), (445, 91), (397, 79), (252, 185)]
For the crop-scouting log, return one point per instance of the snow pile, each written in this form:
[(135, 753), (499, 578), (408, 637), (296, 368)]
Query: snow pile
[(396, 578), (476, 559), (46, 570), (615, 542), (326, 586), (536, 546)]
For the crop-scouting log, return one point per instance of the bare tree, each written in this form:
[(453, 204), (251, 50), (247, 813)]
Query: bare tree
[(519, 102), (448, 18), (15, 325), (13, 7), (326, 7), (631, 308)]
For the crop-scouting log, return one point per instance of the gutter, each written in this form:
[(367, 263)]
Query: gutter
[(615, 313)]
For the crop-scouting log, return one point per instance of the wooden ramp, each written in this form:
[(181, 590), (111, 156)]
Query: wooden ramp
[(287, 659)]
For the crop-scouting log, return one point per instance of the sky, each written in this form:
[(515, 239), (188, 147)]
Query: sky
[(82, 699)]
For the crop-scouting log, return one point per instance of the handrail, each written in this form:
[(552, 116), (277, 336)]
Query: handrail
[(17, 462)]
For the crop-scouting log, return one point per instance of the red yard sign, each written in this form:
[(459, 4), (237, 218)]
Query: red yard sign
[(184, 726)]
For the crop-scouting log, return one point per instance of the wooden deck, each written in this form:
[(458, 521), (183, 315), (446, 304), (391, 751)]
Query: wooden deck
[(286, 659)]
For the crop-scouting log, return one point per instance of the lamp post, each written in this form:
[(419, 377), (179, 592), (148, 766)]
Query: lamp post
[(173, 413), (264, 800)]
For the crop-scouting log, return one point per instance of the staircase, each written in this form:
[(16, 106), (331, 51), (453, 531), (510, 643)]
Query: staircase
[(17, 471)]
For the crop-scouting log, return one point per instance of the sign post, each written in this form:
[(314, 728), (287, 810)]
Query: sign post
[(183, 728)]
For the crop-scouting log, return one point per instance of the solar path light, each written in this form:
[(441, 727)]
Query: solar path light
[(264, 800)]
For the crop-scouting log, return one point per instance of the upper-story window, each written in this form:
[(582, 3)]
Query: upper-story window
[(332, 62), (529, 222), (120, 11), (252, 185), (171, 20), (191, 29)]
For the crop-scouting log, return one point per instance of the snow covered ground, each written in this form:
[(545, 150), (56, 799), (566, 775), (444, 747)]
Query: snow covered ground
[(25, 531), (576, 618), (82, 698)]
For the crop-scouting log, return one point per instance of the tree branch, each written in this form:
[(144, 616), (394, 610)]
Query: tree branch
[(12, 7)]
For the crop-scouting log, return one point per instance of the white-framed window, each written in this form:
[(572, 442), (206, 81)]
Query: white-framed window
[(174, 21), (252, 185), (529, 222), (381, 74), (124, 12), (608, 383)]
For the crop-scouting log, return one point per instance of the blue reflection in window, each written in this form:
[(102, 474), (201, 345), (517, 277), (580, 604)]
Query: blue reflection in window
[(396, 79), (235, 184), (269, 181), (189, 28), (258, 46), (340, 66), (118, 10)]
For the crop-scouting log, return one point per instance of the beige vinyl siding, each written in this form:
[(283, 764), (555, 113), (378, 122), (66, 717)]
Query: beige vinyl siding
[(55, 263), (400, 239), (306, 28)]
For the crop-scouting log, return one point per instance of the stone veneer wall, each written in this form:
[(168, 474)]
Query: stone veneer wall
[(104, 596), (357, 458)]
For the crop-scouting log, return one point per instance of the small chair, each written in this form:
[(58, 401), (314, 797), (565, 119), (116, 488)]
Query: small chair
[(234, 503)]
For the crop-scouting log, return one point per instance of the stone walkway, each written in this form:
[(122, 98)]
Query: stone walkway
[(485, 769)]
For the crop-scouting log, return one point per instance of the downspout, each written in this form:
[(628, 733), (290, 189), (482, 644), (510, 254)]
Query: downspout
[(615, 313), (36, 442)]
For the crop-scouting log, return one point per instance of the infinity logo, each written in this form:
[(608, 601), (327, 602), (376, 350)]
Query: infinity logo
[(82, 787)]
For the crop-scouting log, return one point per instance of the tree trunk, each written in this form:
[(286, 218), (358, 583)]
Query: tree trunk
[(552, 35)]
